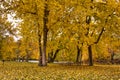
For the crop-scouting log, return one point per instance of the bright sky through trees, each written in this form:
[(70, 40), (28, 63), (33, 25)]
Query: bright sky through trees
[(15, 22)]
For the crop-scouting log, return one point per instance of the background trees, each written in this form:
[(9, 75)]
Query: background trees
[(7, 31), (76, 30)]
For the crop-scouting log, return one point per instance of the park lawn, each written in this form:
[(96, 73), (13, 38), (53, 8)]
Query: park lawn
[(31, 71)]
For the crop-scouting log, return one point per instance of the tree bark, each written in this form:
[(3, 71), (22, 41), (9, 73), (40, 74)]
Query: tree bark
[(90, 55), (112, 57), (50, 57), (55, 55), (98, 39), (39, 37), (90, 47), (40, 50), (27, 55), (79, 55), (45, 31)]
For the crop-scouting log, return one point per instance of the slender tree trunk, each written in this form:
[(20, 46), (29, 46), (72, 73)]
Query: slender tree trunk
[(78, 54), (112, 57), (52, 56), (45, 31), (27, 55), (18, 55), (55, 55), (39, 38), (40, 50), (90, 55), (23, 58)]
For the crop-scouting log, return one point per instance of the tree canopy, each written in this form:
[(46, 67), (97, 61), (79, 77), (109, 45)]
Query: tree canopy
[(72, 30)]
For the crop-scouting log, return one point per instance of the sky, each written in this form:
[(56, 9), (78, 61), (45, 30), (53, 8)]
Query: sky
[(15, 23)]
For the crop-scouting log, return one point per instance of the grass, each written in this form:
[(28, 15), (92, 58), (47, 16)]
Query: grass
[(30, 71)]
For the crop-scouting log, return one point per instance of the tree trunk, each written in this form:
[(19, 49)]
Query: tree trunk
[(55, 55), (23, 58), (40, 50), (45, 31), (79, 55), (39, 41), (27, 55), (44, 63), (51, 56), (90, 55), (112, 57)]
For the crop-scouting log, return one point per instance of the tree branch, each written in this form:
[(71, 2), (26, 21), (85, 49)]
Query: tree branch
[(100, 35)]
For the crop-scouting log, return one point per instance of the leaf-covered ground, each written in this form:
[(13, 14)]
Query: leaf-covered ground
[(30, 71)]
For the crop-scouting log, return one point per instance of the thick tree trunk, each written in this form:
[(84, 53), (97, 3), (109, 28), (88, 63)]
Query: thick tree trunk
[(45, 31), (44, 63), (90, 55)]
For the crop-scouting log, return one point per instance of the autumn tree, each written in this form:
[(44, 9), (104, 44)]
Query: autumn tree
[(68, 26), (7, 29)]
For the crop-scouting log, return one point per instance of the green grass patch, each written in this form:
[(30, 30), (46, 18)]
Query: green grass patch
[(31, 71)]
